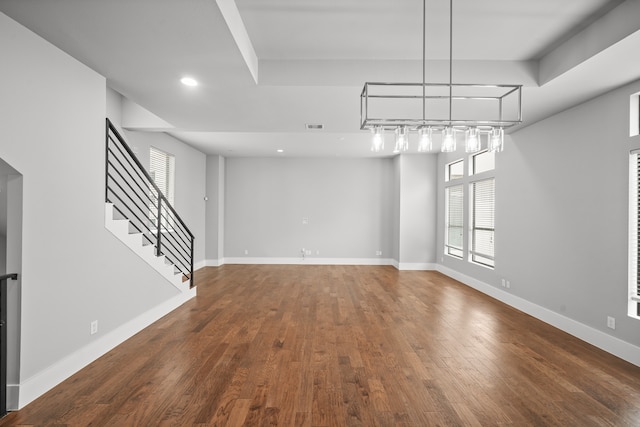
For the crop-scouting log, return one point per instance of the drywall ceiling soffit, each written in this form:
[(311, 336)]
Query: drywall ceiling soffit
[(314, 55)]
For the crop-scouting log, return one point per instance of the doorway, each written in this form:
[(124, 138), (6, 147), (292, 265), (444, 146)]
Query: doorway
[(10, 263)]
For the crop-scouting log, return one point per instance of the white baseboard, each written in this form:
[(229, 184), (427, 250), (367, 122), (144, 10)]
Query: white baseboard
[(213, 262), (45, 380), (595, 337), (308, 261), (200, 264), (415, 266)]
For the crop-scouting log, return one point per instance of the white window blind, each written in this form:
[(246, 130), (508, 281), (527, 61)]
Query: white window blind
[(162, 169), (634, 235), (454, 217), (482, 222)]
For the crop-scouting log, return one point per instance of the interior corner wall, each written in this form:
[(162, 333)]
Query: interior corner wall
[(214, 254), (339, 209), (73, 270), (417, 211), (561, 220), (395, 210)]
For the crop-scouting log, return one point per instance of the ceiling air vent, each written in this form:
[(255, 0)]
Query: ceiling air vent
[(314, 126)]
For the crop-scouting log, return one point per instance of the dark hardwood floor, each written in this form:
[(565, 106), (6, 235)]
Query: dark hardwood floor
[(343, 346)]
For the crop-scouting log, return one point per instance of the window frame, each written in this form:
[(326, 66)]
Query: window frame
[(476, 256), (449, 249), (448, 167), (167, 187), (633, 296)]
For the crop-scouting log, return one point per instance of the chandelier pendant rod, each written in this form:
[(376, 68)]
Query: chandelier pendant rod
[(424, 55), (450, 59)]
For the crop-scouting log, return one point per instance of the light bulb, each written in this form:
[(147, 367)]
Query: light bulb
[(448, 140), (472, 140), (402, 139), (425, 139), (496, 140), (377, 143)]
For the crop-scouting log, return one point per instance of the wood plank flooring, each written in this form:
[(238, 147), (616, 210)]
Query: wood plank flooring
[(343, 346)]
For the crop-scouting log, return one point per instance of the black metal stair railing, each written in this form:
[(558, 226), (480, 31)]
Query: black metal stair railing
[(137, 198)]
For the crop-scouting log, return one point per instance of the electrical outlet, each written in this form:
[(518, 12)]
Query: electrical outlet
[(94, 327), (504, 283), (611, 322), (308, 252), (378, 253), (508, 284), (246, 251)]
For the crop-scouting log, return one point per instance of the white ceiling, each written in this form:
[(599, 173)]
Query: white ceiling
[(311, 57)]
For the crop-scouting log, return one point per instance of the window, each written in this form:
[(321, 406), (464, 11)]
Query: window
[(634, 235), (454, 170), (454, 218), (162, 170), (483, 162), (482, 222)]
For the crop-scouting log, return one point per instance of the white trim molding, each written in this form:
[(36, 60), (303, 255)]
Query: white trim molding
[(307, 260), (595, 337), (414, 266)]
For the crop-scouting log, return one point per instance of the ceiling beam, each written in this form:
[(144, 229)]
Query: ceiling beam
[(233, 19), (604, 33)]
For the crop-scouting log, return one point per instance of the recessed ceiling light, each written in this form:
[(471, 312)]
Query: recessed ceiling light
[(189, 81), (280, 150)]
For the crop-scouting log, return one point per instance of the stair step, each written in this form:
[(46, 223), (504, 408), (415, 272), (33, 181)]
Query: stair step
[(139, 244)]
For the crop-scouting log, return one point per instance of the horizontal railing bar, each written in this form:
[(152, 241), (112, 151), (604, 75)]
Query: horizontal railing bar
[(181, 271), (124, 179), (143, 211), (171, 236), (131, 210), (127, 157), (175, 232), (135, 224), (143, 189), (180, 265), (181, 225)]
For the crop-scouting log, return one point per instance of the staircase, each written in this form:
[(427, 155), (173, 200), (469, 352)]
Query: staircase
[(140, 216)]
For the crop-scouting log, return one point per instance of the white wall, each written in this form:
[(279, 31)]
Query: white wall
[(73, 270), (417, 211), (561, 218), (347, 203)]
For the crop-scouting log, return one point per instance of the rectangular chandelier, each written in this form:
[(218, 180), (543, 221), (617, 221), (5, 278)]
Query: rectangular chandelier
[(391, 105), (440, 110)]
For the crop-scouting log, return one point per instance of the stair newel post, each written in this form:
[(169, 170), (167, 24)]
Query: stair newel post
[(159, 227)]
